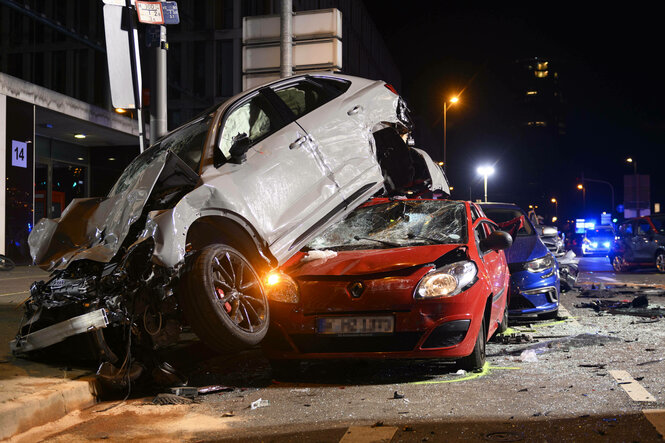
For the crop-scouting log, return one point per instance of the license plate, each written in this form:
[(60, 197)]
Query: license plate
[(355, 325)]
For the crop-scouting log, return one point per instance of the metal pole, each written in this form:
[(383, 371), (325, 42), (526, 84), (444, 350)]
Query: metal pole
[(637, 190), (158, 107), (445, 163), (285, 47), (485, 176)]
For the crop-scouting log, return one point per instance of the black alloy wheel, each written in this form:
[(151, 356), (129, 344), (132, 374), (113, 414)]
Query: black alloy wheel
[(224, 300), (619, 263), (660, 261)]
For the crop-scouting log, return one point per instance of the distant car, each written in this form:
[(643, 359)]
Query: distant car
[(598, 240), (193, 223), (407, 279), (639, 242), (534, 271)]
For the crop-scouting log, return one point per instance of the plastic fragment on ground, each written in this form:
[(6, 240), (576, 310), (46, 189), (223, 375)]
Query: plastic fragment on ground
[(528, 356), (260, 403)]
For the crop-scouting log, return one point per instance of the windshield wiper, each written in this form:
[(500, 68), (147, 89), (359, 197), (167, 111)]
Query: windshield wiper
[(410, 236), (387, 243)]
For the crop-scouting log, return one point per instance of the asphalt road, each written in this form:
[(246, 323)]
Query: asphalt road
[(588, 375)]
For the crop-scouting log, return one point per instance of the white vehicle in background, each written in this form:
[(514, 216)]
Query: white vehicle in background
[(198, 219)]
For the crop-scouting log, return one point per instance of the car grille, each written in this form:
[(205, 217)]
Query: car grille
[(402, 341), (518, 301)]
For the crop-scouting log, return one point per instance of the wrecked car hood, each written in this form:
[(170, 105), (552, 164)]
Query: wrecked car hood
[(95, 228), (362, 262)]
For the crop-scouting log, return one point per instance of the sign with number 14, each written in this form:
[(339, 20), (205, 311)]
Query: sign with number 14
[(19, 154)]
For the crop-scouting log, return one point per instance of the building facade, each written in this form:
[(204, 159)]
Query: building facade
[(60, 134)]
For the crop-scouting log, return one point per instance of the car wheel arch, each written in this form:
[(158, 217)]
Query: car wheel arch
[(231, 231)]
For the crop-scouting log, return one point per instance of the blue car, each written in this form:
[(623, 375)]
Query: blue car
[(534, 272)]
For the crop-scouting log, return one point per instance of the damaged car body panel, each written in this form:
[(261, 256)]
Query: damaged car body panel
[(194, 222)]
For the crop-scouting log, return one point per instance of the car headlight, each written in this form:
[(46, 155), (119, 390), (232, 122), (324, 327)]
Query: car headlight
[(447, 281), (282, 288), (540, 264), (594, 244), (606, 244)]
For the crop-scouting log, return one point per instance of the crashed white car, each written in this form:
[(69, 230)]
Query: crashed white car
[(197, 220)]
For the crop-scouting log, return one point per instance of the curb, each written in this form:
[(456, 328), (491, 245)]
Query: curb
[(50, 404)]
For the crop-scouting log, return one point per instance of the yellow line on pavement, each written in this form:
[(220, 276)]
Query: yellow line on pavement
[(14, 293), (487, 368)]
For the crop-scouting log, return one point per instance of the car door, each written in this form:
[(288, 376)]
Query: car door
[(642, 243), (284, 185), (335, 129), (495, 266)]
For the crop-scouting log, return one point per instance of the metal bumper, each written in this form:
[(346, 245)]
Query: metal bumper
[(58, 332)]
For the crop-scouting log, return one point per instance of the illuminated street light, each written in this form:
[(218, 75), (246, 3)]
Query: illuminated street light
[(485, 171), (446, 105)]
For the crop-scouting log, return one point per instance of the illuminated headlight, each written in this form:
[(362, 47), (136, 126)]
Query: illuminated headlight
[(447, 281), (282, 288), (540, 264), (606, 244), (594, 244)]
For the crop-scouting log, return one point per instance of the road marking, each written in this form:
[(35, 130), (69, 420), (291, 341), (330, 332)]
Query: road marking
[(566, 313), (657, 418), (485, 371), (368, 434), (14, 293), (635, 390)]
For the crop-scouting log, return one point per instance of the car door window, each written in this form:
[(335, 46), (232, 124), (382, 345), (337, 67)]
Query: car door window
[(659, 224), (643, 228), (302, 97), (254, 118)]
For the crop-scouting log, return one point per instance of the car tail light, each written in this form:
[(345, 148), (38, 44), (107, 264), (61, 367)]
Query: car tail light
[(391, 88)]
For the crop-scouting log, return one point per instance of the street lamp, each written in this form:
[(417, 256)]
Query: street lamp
[(485, 171), (637, 187), (446, 105)]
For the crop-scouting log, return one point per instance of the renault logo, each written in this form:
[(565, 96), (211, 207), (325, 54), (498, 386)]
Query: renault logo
[(356, 289)]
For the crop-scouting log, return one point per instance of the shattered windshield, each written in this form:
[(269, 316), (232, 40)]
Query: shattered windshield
[(186, 142), (397, 223)]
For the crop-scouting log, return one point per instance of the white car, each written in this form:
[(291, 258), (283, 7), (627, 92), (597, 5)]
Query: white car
[(199, 218)]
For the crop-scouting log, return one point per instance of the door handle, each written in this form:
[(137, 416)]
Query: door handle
[(355, 110), (298, 143)]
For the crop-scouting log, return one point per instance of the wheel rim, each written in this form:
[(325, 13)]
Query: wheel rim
[(660, 262), (617, 263), (238, 291)]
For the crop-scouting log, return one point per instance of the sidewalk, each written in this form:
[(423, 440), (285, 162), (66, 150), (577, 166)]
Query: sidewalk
[(33, 393)]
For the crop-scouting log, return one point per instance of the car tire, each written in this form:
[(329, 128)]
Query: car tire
[(660, 261), (619, 263), (223, 299), (476, 360), (503, 326)]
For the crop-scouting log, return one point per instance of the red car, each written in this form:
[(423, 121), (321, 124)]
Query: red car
[(397, 278)]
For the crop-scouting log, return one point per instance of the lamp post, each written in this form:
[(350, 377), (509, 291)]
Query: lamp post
[(446, 105), (485, 171), (581, 187), (593, 180), (556, 207), (637, 186)]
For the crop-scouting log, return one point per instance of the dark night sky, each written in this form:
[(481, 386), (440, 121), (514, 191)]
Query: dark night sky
[(609, 63)]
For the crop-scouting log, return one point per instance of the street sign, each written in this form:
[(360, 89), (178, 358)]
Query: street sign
[(150, 12), (170, 13)]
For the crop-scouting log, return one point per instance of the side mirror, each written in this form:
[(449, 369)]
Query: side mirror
[(497, 241), (239, 148), (549, 231)]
